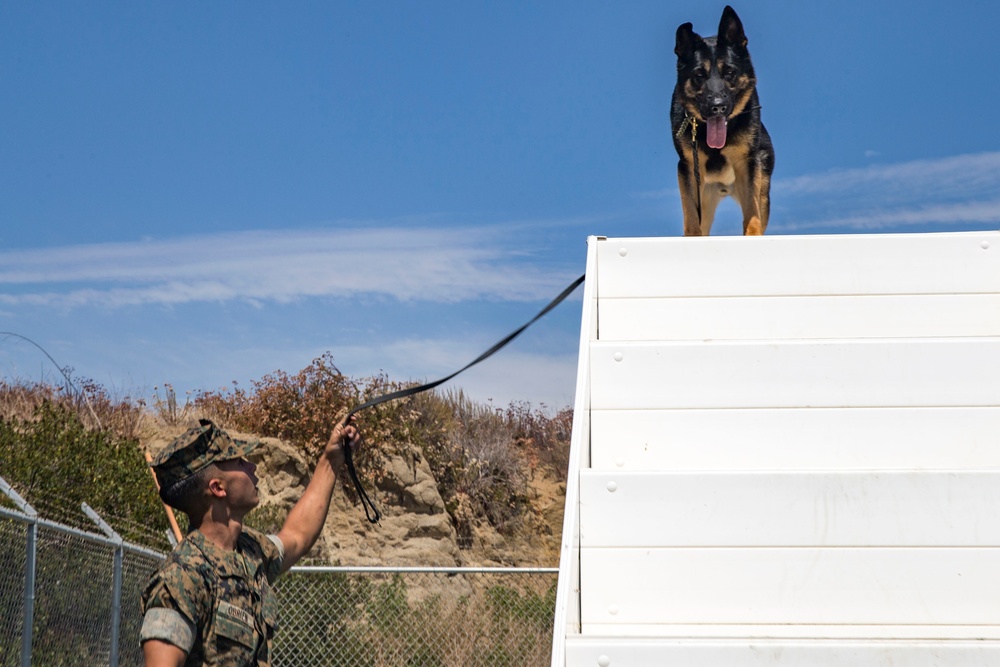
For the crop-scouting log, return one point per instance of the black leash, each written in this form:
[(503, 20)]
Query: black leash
[(693, 122), (697, 165), (373, 515)]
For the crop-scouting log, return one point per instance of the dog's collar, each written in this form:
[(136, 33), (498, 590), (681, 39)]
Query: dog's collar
[(688, 121)]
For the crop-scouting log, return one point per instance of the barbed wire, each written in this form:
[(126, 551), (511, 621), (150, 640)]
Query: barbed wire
[(62, 371)]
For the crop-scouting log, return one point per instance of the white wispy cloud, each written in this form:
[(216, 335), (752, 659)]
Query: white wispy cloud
[(958, 190), (953, 176), (942, 215), (436, 264)]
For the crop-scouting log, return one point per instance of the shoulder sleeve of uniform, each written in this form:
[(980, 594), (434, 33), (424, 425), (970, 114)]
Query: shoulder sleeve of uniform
[(181, 587), (170, 626), (272, 549), (274, 568)]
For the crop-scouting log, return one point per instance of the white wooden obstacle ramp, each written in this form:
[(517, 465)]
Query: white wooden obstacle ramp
[(786, 451)]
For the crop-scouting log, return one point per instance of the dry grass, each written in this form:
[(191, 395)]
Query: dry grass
[(97, 407)]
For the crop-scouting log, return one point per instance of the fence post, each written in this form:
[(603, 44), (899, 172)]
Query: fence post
[(31, 550), (116, 590)]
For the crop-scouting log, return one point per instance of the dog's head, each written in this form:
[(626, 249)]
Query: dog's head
[(715, 78)]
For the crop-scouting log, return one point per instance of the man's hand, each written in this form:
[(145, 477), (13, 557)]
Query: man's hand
[(345, 434)]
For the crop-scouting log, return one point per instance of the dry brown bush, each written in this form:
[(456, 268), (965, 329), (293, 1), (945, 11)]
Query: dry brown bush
[(543, 439), (483, 457), (95, 406), (20, 400), (304, 407)]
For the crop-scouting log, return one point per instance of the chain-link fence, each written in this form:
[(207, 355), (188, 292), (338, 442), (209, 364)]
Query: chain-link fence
[(71, 597), (68, 597), (434, 617)]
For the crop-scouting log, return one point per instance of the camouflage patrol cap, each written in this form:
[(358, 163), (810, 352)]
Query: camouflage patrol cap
[(194, 450)]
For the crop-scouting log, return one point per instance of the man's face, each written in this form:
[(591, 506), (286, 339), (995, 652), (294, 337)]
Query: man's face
[(240, 483)]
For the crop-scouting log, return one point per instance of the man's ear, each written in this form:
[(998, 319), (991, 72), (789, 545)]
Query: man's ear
[(216, 487)]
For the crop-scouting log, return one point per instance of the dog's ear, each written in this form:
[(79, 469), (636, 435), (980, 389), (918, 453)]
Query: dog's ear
[(731, 29), (687, 41)]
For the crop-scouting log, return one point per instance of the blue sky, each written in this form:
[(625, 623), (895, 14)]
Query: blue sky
[(203, 193)]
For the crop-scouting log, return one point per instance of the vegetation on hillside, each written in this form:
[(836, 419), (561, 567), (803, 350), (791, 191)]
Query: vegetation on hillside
[(59, 449), (81, 444)]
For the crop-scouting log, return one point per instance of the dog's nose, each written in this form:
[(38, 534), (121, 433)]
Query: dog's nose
[(719, 106)]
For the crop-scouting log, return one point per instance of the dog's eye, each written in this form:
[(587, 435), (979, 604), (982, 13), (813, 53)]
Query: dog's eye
[(699, 75), (728, 73)]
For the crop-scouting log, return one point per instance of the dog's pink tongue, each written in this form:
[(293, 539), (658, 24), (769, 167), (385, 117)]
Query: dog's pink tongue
[(716, 131)]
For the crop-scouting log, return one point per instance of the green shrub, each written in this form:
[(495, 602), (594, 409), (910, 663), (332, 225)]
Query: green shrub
[(52, 454)]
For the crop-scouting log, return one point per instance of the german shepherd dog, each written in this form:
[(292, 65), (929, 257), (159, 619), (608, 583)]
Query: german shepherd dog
[(715, 115)]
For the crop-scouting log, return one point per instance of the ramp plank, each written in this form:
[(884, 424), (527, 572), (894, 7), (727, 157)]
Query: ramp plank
[(740, 509), (800, 265), (806, 317), (859, 586), (755, 632), (798, 439), (763, 653), (868, 373)]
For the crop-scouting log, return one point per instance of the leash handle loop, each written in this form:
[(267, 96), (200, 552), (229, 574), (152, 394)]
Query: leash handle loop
[(371, 512)]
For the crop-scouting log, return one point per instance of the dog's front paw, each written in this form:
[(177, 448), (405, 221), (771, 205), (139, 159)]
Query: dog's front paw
[(754, 227)]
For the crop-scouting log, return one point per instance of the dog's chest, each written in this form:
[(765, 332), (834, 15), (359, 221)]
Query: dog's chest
[(719, 171)]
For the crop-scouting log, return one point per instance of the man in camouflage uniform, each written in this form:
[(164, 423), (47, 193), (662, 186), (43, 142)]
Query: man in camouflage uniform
[(211, 602)]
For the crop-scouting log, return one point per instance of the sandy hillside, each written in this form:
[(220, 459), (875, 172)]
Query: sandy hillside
[(415, 530)]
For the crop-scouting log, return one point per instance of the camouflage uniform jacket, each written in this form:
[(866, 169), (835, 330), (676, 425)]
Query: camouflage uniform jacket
[(226, 595)]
